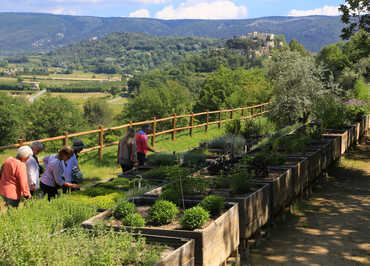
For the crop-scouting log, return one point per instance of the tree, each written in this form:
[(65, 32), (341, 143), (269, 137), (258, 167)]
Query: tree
[(158, 102), (12, 119), (227, 88), (297, 82), (294, 45), (51, 116), (356, 16), (334, 58), (96, 112), (133, 84)]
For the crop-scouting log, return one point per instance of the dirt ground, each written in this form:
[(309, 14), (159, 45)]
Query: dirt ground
[(332, 227)]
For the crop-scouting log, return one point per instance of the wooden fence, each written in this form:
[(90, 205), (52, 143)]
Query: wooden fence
[(246, 113)]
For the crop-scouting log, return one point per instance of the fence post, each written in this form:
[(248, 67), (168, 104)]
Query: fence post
[(174, 127), (130, 126), (252, 112), (219, 119), (191, 124), (101, 142), (207, 120), (261, 106), (65, 140), (243, 110), (154, 130), (20, 142), (232, 114)]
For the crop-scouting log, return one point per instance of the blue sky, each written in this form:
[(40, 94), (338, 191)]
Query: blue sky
[(176, 9)]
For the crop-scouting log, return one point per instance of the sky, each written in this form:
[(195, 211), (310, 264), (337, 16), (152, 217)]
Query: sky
[(176, 9)]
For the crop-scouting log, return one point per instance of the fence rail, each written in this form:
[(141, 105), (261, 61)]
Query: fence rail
[(255, 110)]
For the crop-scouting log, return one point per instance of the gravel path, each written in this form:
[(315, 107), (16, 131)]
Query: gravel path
[(332, 228)]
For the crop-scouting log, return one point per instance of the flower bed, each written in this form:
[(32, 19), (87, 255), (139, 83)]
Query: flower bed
[(213, 243)]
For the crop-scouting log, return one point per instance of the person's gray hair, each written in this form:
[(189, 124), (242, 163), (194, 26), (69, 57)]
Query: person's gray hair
[(38, 145), (24, 152)]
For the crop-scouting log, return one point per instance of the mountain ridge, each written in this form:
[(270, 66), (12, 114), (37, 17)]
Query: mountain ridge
[(38, 32)]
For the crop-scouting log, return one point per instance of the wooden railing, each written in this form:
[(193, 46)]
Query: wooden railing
[(255, 110)]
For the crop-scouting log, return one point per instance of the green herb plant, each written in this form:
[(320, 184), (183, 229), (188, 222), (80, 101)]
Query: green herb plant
[(194, 218), (163, 212)]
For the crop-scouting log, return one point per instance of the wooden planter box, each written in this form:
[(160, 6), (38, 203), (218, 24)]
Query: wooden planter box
[(254, 210), (357, 127), (335, 148), (282, 188), (326, 152), (183, 254), (343, 135), (351, 136), (213, 244)]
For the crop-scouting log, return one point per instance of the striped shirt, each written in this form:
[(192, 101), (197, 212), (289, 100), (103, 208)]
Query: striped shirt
[(53, 175)]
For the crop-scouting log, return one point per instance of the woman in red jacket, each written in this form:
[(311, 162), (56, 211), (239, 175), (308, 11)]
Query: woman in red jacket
[(14, 183)]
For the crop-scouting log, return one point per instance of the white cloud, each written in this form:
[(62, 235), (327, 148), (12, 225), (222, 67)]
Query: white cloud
[(141, 13), (326, 10), (203, 9), (61, 11)]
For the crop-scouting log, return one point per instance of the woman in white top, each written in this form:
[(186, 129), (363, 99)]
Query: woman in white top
[(53, 177), (33, 167)]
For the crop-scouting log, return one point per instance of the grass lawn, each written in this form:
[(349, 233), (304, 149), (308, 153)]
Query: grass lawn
[(95, 170)]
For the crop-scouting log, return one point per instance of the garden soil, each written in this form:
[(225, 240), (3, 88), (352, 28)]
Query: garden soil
[(332, 227)]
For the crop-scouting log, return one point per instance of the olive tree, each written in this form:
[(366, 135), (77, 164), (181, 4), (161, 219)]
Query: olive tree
[(296, 82)]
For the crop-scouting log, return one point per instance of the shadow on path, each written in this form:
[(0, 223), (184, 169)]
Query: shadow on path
[(332, 227)]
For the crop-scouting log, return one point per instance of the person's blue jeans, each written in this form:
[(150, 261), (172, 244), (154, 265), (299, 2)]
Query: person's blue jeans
[(11, 202)]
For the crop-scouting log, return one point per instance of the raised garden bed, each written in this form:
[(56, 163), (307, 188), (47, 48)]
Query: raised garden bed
[(178, 251), (343, 135), (213, 244)]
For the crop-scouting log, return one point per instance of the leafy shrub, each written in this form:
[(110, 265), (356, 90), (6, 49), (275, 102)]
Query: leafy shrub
[(163, 212), (228, 144), (100, 202), (213, 204), (162, 158), (123, 208), (356, 109), (192, 159), (233, 127), (361, 89), (330, 113), (194, 218), (133, 219), (104, 202), (258, 127), (241, 181)]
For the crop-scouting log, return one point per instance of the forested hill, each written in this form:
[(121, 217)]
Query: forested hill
[(128, 52), (28, 32)]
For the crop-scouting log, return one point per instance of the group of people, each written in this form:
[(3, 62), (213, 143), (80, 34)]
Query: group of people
[(132, 148), (20, 175)]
